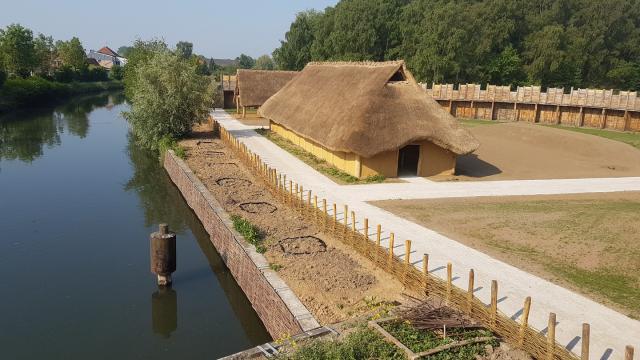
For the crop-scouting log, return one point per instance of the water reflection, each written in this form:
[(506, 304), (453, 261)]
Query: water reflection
[(164, 311), (163, 203), (26, 140)]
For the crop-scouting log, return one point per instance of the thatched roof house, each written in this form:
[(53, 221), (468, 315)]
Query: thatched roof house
[(254, 87), (368, 119)]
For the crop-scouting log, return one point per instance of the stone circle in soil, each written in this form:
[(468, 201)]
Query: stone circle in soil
[(258, 207), (233, 182), (303, 245)]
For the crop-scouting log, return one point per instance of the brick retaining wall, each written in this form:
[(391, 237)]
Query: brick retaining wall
[(275, 303)]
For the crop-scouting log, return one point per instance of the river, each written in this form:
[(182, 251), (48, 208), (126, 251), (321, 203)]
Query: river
[(78, 200)]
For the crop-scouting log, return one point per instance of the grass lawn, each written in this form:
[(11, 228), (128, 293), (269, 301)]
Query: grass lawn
[(318, 164), (470, 123), (628, 137), (587, 242)]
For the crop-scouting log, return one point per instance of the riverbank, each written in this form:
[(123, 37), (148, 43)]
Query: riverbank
[(20, 93)]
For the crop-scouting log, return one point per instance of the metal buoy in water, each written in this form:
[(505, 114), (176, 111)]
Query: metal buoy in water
[(163, 254)]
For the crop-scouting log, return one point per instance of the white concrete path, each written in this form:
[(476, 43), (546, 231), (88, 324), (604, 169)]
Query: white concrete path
[(610, 330)]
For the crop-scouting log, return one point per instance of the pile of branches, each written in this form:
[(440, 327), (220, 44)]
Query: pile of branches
[(430, 315)]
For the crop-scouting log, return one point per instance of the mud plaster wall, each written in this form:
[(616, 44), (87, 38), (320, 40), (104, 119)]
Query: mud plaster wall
[(278, 307)]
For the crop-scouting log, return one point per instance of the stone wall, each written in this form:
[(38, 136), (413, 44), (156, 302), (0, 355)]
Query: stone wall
[(275, 303)]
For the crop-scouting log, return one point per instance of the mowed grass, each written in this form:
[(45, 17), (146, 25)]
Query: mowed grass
[(627, 137), (470, 123), (586, 242), (318, 164)]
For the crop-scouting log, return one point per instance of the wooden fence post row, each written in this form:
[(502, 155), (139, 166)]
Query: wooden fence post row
[(278, 182)]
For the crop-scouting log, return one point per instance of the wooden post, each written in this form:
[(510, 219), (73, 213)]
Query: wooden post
[(335, 214), (604, 118), (244, 112), (494, 301), (378, 231), (315, 202), (366, 228), (425, 264), (324, 207), (626, 120), (346, 213), (586, 331), (296, 190), (551, 336), (628, 352), (301, 195), (557, 114), (407, 252), (391, 244), (353, 221), (163, 254), (309, 197), (449, 280), (470, 291), (525, 319), (581, 117)]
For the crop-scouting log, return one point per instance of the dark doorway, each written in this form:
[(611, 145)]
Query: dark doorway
[(408, 160)]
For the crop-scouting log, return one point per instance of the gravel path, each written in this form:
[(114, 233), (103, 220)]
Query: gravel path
[(610, 330)]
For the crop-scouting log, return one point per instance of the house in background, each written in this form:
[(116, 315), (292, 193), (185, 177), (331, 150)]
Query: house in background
[(107, 58), (368, 119)]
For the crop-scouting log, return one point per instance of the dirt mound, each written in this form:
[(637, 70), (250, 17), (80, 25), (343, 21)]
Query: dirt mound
[(303, 245), (525, 151), (233, 182), (258, 207)]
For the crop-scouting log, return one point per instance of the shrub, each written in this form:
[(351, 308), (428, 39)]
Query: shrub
[(116, 73), (3, 77), (364, 343), (249, 232), (167, 97)]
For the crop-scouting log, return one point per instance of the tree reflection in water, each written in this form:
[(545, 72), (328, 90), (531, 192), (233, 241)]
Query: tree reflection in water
[(25, 134)]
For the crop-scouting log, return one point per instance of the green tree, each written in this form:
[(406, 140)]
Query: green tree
[(17, 50), (141, 53), (245, 61), (124, 51), (72, 53), (116, 72), (264, 62), (295, 51), (45, 53), (184, 49), (168, 97)]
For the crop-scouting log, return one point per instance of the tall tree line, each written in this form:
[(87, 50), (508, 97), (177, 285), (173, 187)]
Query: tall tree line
[(580, 43)]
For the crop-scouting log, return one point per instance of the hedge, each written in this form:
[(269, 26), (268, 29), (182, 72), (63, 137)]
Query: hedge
[(17, 93)]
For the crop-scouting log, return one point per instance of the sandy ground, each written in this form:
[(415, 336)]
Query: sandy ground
[(510, 151), (587, 242), (333, 282)]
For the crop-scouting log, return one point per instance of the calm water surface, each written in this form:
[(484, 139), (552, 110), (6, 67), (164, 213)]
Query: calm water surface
[(78, 200)]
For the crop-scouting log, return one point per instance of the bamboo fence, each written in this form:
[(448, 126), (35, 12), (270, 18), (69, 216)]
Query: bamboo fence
[(520, 333)]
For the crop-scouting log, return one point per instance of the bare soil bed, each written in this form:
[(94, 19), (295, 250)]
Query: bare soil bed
[(587, 242), (333, 281), (526, 151)]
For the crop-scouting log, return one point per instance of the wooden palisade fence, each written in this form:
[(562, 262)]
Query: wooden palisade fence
[(601, 109), (418, 280)]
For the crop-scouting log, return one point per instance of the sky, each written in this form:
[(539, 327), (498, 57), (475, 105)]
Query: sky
[(217, 28)]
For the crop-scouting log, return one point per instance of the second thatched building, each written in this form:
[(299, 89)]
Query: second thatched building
[(368, 119), (254, 87)]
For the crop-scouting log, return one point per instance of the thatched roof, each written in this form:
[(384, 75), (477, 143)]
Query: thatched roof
[(364, 108), (256, 86)]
